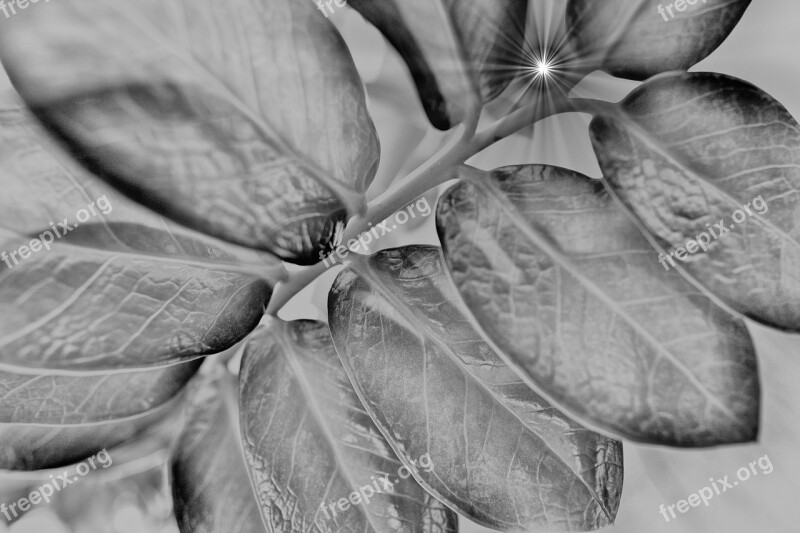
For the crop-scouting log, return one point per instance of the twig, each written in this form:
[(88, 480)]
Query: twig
[(436, 171), (296, 282)]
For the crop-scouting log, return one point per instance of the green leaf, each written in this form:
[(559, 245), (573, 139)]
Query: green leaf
[(124, 289), (459, 52), (691, 155), (502, 455), (209, 477), (245, 120), (632, 39), (310, 444), (574, 296)]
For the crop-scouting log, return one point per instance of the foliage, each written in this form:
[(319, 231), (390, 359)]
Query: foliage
[(517, 355)]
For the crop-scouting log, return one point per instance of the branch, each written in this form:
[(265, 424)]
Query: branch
[(510, 124), (427, 176), (295, 282), (436, 171)]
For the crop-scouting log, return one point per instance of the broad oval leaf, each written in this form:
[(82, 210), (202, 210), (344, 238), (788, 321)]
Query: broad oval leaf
[(309, 442), (637, 39), (80, 399), (459, 52), (502, 455), (123, 304), (571, 292), (245, 120), (122, 290), (30, 447), (710, 157), (210, 486)]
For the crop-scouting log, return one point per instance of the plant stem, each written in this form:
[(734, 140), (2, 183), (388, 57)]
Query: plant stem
[(594, 107), (427, 176), (432, 173), (296, 282), (436, 171), (522, 117)]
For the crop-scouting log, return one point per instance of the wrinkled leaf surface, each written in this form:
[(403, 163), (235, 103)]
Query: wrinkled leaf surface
[(574, 296), (310, 443), (502, 455)]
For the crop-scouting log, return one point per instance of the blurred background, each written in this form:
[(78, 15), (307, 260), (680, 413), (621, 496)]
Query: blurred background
[(761, 50)]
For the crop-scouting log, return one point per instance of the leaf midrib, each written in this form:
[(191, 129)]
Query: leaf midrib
[(398, 304), (488, 186), (154, 412), (347, 195), (307, 389), (233, 267), (651, 142)]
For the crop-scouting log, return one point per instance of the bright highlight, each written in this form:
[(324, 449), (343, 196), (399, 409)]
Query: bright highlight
[(542, 68)]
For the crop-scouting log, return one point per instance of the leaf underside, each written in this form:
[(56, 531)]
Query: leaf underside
[(459, 52), (573, 295), (123, 290), (209, 478), (688, 153), (631, 39), (36, 446), (502, 455), (271, 147), (309, 442), (84, 399)]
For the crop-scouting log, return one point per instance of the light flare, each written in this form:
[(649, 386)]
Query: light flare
[(542, 68)]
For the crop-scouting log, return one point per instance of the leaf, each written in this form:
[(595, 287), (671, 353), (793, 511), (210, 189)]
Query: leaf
[(685, 153), (632, 39), (209, 477), (309, 442), (245, 120), (565, 285), (34, 446), (502, 455), (74, 399), (125, 289), (458, 51), (77, 307)]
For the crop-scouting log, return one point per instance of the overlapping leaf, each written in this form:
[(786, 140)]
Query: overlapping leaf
[(64, 399), (123, 290), (244, 119), (458, 51), (39, 446), (310, 444), (51, 419), (709, 157), (573, 294), (639, 38), (502, 455), (209, 478)]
